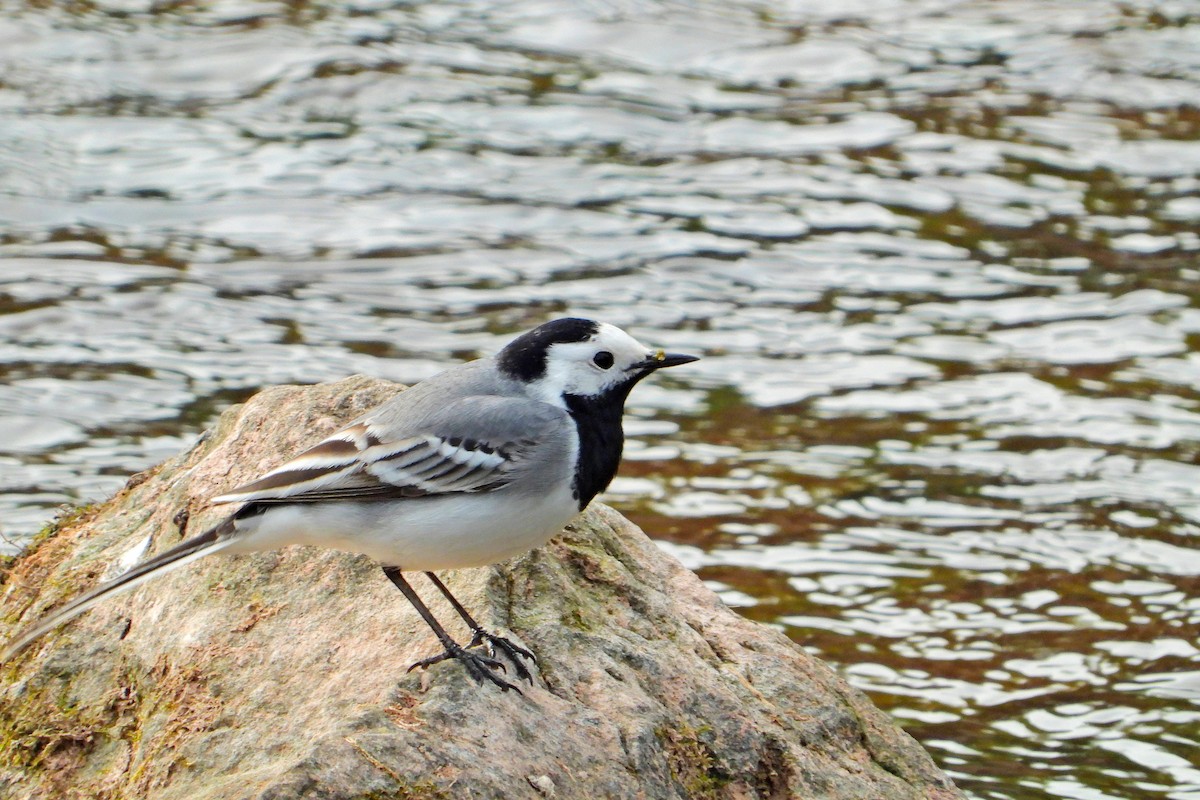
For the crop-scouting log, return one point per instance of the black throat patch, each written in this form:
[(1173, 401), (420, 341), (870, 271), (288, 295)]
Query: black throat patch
[(524, 359), (601, 440)]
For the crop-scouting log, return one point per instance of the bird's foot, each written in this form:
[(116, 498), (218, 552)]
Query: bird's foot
[(514, 652), (478, 666)]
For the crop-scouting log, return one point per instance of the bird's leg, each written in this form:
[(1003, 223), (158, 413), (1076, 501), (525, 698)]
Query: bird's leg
[(478, 666), (480, 636)]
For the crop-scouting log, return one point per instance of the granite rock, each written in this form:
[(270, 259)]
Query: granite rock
[(282, 675)]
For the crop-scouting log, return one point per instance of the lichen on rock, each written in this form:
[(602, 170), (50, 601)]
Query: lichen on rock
[(283, 675)]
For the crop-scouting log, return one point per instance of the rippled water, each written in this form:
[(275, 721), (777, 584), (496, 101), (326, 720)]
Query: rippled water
[(941, 257)]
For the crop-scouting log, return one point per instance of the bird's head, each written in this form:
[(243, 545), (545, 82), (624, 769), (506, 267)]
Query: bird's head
[(574, 357)]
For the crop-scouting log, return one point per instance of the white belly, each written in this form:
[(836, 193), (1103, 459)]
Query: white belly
[(426, 533)]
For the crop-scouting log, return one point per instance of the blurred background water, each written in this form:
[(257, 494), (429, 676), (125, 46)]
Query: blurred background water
[(940, 255)]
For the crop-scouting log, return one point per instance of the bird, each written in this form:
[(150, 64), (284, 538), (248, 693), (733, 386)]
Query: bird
[(474, 465)]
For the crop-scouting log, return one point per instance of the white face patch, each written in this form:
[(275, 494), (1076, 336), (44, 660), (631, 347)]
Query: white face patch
[(573, 367)]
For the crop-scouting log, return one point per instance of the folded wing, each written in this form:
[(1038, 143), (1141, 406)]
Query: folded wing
[(370, 460)]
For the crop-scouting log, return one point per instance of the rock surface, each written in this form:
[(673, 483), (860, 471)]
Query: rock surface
[(282, 675)]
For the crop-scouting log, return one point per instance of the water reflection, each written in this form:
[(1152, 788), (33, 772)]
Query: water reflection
[(938, 256)]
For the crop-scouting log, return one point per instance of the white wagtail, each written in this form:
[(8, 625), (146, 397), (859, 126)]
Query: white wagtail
[(474, 465)]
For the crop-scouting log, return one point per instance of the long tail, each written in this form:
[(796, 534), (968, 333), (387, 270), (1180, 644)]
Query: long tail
[(211, 541)]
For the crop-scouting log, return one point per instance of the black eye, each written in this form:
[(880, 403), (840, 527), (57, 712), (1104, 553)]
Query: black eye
[(603, 359)]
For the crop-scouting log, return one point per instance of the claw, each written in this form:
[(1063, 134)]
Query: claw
[(425, 663), (478, 666), (514, 652)]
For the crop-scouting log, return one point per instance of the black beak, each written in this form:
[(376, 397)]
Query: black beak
[(660, 359)]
